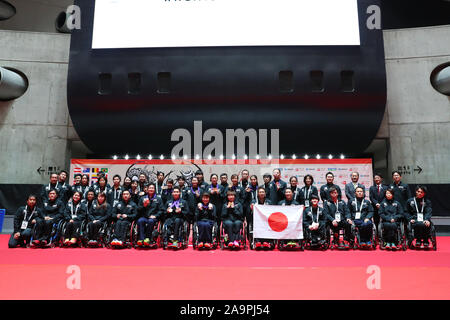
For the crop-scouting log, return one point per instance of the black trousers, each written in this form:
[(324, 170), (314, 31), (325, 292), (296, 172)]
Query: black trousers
[(72, 230), (421, 231), (120, 230), (174, 227), (233, 229), (44, 229), (93, 230), (316, 235), (24, 238), (390, 232), (205, 230)]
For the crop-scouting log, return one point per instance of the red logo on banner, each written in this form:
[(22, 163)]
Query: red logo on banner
[(278, 221)]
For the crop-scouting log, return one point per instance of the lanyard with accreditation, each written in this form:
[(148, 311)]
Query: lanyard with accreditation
[(419, 214), (25, 220)]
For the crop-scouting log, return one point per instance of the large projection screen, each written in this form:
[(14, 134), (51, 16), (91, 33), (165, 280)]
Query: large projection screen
[(224, 23)]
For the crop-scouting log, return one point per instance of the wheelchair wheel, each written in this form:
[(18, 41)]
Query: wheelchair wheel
[(83, 239), (194, 236), (244, 236), (186, 234), (133, 234), (433, 237)]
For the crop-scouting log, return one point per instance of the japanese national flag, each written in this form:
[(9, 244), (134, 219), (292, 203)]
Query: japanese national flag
[(277, 222)]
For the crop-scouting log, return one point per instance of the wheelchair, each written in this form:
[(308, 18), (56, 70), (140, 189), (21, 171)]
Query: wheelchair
[(214, 237), (253, 244), (400, 237), (356, 238), (109, 237), (242, 235), (81, 239), (100, 242), (52, 241), (185, 232), (155, 240), (322, 243), (411, 240), (336, 239)]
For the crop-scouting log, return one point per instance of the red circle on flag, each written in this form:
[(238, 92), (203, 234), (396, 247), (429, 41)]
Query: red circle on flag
[(278, 221)]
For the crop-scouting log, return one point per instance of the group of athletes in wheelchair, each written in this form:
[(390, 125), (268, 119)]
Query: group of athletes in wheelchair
[(219, 215)]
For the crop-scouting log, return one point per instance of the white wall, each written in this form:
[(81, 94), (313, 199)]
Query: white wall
[(418, 116)]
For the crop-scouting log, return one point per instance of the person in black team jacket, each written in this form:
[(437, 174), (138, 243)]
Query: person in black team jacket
[(24, 220), (325, 189), (293, 184), (64, 188), (194, 196), (205, 216), (224, 181), (362, 213), (307, 190), (233, 219), (77, 186), (419, 212), (236, 188), (115, 192), (159, 182), (262, 200), (74, 215), (216, 192), (89, 201), (84, 185), (289, 201), (126, 184), (123, 214), (250, 194), (176, 211), (150, 209), (337, 214), (391, 214), (277, 187), (401, 190), (166, 194), (377, 195), (244, 179), (201, 180), (52, 185), (101, 186), (52, 213), (99, 213), (314, 222), (267, 177)]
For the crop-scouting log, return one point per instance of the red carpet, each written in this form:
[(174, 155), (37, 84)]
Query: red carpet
[(189, 274)]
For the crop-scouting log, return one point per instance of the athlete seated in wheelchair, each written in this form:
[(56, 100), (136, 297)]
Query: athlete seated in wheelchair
[(337, 214), (420, 228), (123, 215), (205, 223), (391, 217), (150, 209), (361, 211), (74, 216), (175, 228), (314, 226), (52, 213), (289, 244), (98, 217), (258, 244), (232, 231)]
